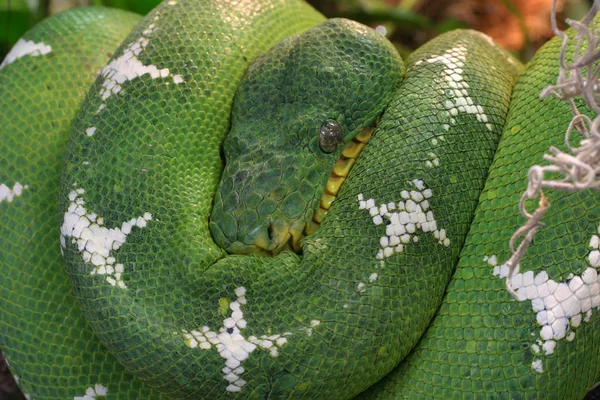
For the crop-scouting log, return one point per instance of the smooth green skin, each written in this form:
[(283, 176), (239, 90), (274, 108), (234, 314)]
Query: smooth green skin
[(158, 151)]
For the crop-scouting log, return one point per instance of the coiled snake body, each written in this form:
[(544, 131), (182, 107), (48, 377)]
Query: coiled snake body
[(397, 291)]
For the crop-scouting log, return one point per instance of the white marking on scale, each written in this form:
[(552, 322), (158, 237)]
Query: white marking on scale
[(128, 67), (536, 365), (25, 48), (9, 194), (232, 345), (456, 89), (404, 217), (92, 393), (488, 38), (560, 307), (95, 241), (313, 323), (433, 160)]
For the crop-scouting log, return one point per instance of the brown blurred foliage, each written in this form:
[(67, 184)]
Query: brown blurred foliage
[(8, 387), (510, 23)]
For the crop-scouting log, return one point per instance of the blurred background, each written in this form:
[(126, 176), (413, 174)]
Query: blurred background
[(521, 26)]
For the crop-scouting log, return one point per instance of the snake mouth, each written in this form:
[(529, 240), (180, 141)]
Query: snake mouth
[(275, 236), (337, 177)]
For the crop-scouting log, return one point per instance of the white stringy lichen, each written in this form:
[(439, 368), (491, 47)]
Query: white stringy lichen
[(560, 307), (92, 393), (95, 241), (232, 346), (8, 194), (25, 48)]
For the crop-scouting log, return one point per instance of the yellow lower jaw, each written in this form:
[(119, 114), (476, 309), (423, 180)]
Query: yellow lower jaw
[(291, 237), (340, 171)]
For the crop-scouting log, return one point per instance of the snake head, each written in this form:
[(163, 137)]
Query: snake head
[(296, 108)]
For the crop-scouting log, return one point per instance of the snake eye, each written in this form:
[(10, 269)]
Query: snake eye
[(330, 136)]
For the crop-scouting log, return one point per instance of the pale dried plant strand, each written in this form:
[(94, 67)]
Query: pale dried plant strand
[(528, 231), (580, 165)]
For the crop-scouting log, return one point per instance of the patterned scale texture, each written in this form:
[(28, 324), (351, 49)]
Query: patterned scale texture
[(429, 158), (485, 344), (50, 347), (142, 168)]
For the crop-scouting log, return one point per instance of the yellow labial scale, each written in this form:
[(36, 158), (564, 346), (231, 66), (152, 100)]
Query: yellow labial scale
[(353, 149), (342, 167), (319, 215), (334, 184), (326, 200), (365, 134), (311, 228)]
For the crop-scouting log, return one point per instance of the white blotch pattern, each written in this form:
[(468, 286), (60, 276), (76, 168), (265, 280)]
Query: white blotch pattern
[(403, 219), (232, 345), (128, 67), (559, 306), (25, 48), (313, 323), (95, 241), (458, 99), (9, 194), (92, 393), (536, 365), (433, 160)]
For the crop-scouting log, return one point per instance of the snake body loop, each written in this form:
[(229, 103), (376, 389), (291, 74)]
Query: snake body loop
[(396, 292)]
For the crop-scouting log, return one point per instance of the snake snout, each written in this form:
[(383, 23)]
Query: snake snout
[(271, 237)]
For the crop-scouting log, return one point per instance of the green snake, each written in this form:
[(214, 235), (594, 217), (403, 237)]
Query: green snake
[(224, 238)]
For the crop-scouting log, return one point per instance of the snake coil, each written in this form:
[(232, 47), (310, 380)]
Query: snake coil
[(397, 291)]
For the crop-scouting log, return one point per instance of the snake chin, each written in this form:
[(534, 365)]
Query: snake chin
[(268, 239)]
